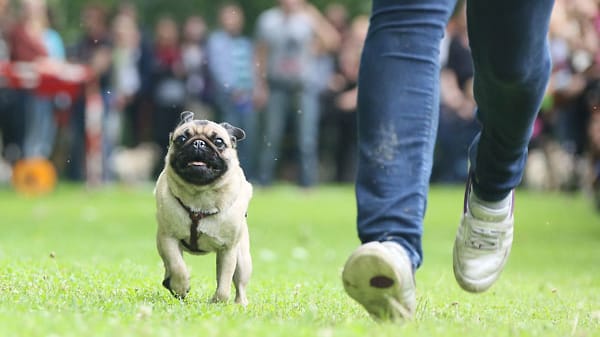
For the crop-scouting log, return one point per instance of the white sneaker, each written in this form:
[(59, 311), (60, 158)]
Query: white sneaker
[(483, 241), (379, 276)]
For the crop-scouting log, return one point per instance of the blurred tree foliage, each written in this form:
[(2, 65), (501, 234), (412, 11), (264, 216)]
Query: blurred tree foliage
[(67, 12)]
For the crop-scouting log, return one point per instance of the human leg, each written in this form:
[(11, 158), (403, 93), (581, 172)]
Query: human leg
[(308, 134), (273, 128), (40, 129), (512, 68), (12, 124), (242, 115), (397, 119), (247, 147)]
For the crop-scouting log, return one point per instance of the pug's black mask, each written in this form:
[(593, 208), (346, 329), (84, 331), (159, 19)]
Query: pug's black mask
[(198, 149), (198, 159)]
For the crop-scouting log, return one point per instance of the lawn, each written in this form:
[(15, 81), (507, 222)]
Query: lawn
[(80, 263)]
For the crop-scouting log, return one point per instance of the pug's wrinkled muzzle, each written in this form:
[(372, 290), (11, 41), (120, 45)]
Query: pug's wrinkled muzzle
[(198, 161)]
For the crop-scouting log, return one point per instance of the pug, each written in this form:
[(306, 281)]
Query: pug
[(202, 199)]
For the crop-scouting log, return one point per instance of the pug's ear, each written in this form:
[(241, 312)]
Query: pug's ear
[(236, 134), (186, 116)]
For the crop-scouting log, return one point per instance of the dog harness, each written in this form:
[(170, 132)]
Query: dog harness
[(194, 235)]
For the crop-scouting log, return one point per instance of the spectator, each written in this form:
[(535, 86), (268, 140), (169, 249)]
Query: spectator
[(340, 102), (337, 14), (194, 58), (231, 66), (11, 116), (457, 123), (94, 50), (138, 110), (168, 80), (289, 39), (126, 78), (4, 27), (33, 40)]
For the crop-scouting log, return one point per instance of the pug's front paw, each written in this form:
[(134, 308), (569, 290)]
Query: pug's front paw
[(220, 297), (241, 300), (177, 289)]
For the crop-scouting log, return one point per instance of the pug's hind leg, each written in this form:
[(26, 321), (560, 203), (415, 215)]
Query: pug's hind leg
[(177, 277), (226, 261), (243, 269)]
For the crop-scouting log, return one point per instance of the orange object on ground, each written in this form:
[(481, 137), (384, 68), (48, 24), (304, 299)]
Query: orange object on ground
[(34, 176)]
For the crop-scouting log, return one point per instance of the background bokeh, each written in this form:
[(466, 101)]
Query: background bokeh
[(143, 62)]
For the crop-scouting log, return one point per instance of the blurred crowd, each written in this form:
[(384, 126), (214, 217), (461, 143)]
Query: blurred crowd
[(565, 149), (291, 84)]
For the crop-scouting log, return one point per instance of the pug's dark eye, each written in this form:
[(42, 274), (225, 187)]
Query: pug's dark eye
[(180, 140), (219, 143)]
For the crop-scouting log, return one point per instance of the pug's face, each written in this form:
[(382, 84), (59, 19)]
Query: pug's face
[(201, 151)]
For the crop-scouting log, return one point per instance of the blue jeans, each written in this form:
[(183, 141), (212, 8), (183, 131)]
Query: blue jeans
[(40, 127), (241, 114), (304, 104), (398, 106)]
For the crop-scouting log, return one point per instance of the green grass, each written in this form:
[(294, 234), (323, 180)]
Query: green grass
[(80, 263)]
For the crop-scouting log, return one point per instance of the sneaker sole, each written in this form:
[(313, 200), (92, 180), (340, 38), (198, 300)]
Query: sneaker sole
[(370, 279)]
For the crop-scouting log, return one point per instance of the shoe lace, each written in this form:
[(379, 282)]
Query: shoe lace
[(484, 238)]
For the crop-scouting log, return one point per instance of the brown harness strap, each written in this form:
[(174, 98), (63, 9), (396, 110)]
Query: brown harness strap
[(194, 235)]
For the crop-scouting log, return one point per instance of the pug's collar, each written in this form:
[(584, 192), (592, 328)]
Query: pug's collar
[(195, 217)]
